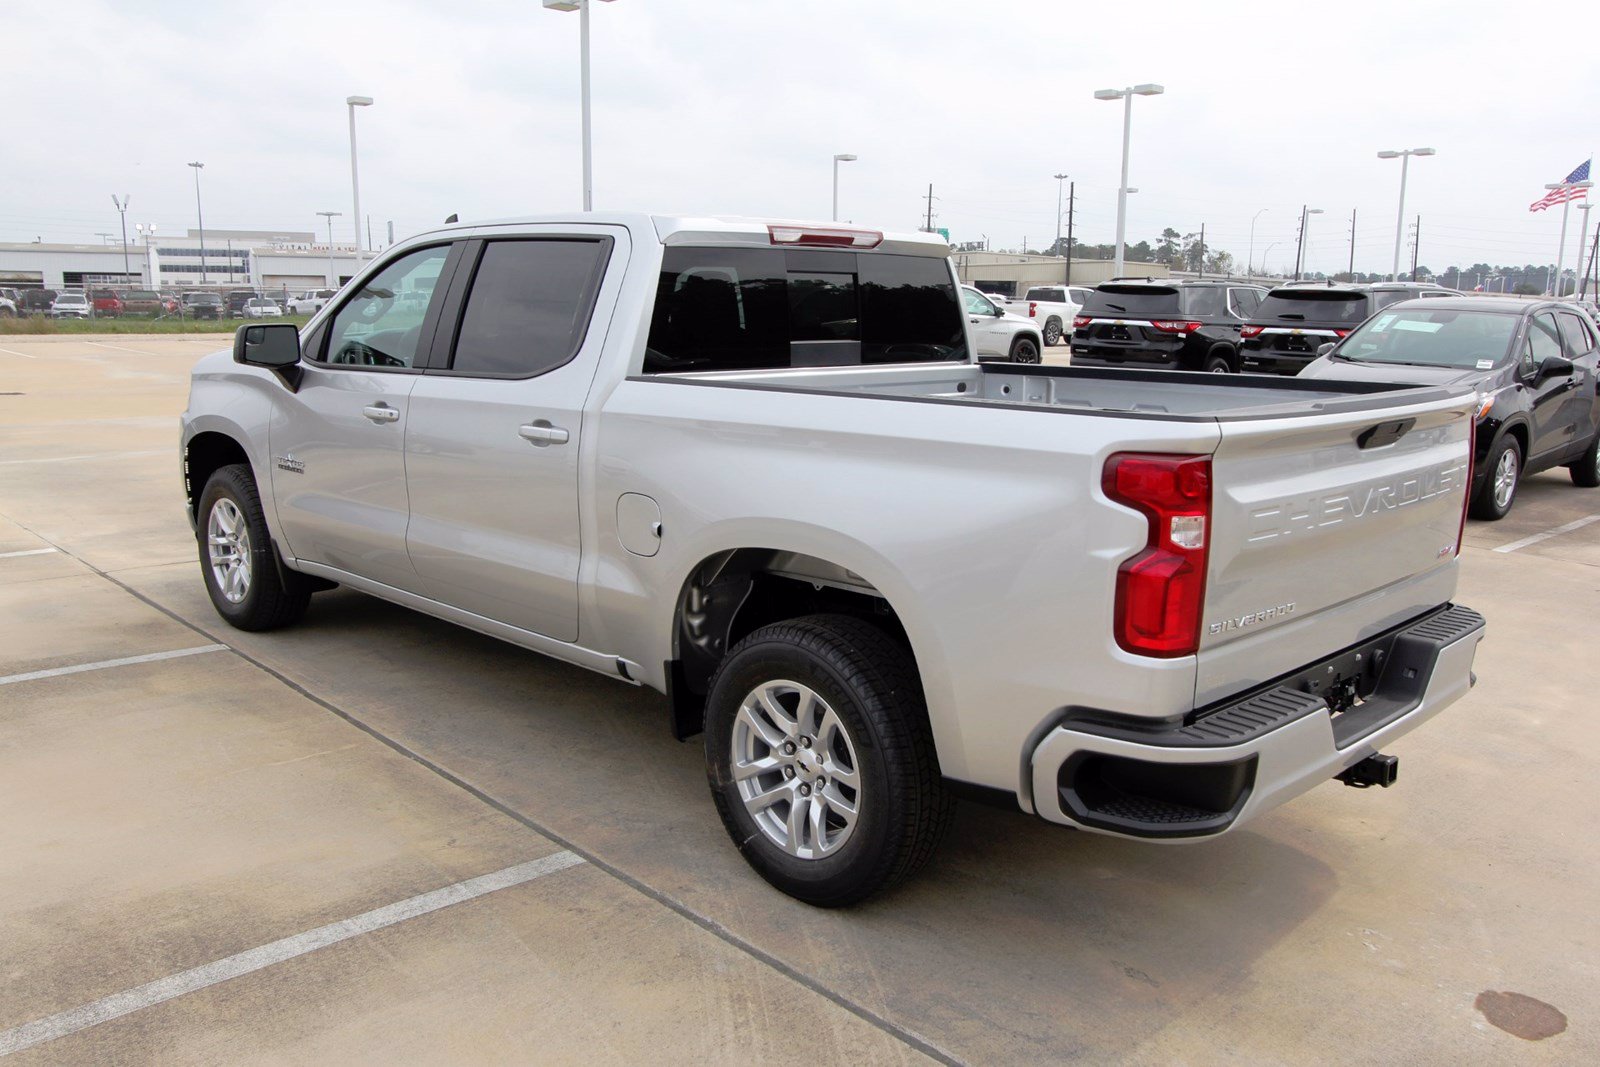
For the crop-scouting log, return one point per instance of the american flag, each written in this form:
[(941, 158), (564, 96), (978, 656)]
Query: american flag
[(1561, 196)]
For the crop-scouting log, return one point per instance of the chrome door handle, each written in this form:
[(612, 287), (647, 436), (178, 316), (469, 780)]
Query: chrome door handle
[(381, 413), (541, 433)]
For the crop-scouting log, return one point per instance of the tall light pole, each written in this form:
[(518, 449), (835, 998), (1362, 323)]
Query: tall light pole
[(122, 209), (333, 279), (1566, 207), (1251, 258), (353, 102), (1300, 246), (1404, 155), (844, 157), (1059, 179), (198, 167), (147, 233), (1583, 235), (1126, 96), (582, 8)]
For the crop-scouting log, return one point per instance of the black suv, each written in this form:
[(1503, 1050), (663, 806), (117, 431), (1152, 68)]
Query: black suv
[(202, 305), (36, 301), (1296, 320), (1533, 364), (1168, 325)]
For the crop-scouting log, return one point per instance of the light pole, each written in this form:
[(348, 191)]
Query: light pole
[(582, 8), (841, 158), (1565, 188), (1251, 258), (147, 233), (1404, 155), (1126, 96), (122, 210), (353, 102), (1268, 255), (1583, 235), (333, 282), (198, 167), (1300, 246)]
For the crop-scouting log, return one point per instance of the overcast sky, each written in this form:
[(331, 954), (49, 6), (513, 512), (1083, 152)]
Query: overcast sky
[(737, 106)]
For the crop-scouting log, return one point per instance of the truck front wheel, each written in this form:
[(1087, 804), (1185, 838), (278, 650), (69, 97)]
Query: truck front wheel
[(821, 761), (1025, 350), (237, 557)]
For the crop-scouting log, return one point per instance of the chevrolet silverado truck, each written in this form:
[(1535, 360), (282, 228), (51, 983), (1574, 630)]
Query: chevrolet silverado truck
[(756, 466), (1052, 307)]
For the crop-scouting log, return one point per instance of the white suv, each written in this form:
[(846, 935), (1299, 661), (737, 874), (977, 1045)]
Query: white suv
[(996, 334)]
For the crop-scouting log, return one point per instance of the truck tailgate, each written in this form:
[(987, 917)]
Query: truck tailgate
[(1327, 529)]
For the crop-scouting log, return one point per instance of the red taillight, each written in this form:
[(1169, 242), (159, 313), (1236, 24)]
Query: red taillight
[(1033, 309), (1080, 321), (824, 236), (1175, 326), (1160, 591), (1250, 331)]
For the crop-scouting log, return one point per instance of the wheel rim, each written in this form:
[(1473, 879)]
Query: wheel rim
[(1026, 353), (796, 769), (1219, 368), (1052, 334), (228, 547), (1505, 478)]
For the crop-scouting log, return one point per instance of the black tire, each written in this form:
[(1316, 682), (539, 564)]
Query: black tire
[(1025, 349), (1586, 472), (1052, 332), (1218, 362), (869, 681), (1485, 506), (275, 596)]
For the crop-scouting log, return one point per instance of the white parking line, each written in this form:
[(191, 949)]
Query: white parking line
[(28, 552), (164, 989), (126, 661), (1557, 532), (14, 352), (118, 348), (91, 455)]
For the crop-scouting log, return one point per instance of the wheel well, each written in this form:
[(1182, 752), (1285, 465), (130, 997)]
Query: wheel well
[(207, 453), (732, 594), (1027, 335), (1520, 432)]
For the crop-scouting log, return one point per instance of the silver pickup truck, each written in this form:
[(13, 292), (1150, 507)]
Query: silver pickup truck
[(757, 467)]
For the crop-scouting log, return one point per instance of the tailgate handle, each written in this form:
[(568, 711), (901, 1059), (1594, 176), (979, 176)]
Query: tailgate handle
[(1385, 433)]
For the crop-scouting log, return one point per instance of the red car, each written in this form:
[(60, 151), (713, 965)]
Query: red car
[(107, 304)]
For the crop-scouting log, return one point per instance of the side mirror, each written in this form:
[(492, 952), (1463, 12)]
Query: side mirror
[(1555, 367), (273, 345), (999, 311), (1324, 349)]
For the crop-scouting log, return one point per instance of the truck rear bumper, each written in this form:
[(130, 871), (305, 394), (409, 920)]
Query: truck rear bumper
[(1227, 763)]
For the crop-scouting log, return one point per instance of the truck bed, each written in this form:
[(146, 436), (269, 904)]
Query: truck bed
[(1128, 393)]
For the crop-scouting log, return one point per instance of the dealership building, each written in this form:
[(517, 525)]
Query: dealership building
[(267, 260)]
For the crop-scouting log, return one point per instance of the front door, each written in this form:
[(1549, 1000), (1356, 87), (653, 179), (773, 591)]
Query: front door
[(989, 334), (1543, 341), (338, 441), (496, 429)]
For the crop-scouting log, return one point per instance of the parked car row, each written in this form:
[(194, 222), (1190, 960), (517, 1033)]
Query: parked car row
[(114, 303)]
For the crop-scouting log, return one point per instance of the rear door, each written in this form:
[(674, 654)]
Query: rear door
[(496, 428), (1327, 528), (1582, 414)]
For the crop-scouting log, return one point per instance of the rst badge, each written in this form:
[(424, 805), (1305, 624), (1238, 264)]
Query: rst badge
[(289, 463)]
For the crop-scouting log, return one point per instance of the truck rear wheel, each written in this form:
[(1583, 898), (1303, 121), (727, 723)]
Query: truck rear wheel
[(821, 761), (238, 560), (1052, 332)]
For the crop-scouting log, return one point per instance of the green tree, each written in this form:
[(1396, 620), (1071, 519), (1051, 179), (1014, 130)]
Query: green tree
[(1169, 249)]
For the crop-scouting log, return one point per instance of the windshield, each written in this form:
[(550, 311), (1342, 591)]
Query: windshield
[(1331, 306), (1433, 338)]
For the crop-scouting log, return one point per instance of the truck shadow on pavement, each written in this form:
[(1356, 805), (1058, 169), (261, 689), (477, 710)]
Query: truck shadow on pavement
[(1021, 939)]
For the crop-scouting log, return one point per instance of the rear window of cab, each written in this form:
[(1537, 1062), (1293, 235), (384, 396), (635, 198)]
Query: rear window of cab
[(723, 309)]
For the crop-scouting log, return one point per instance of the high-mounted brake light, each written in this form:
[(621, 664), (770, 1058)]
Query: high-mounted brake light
[(1250, 331), (1160, 591), (1175, 326), (824, 236), (1080, 321)]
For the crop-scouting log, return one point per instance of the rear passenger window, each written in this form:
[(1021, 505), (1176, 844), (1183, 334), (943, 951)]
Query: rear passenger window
[(1204, 301), (529, 306), (1576, 338), (722, 309)]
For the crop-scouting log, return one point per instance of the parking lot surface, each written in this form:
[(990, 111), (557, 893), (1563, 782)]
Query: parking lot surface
[(274, 847)]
